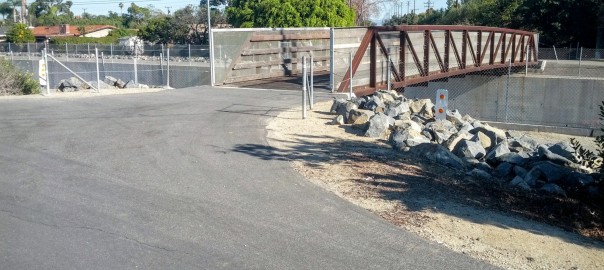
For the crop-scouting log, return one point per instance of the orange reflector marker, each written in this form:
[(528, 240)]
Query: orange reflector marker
[(442, 96), (441, 111)]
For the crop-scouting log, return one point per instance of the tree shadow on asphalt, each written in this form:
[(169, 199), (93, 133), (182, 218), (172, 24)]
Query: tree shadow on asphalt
[(420, 185)]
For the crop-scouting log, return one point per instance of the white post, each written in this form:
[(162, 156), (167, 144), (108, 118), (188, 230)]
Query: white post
[(135, 70), (111, 50), (98, 73), (507, 91), (28, 52), (388, 73), (66, 52), (556, 53), (211, 47), (189, 52), (47, 73), (103, 59), (304, 87), (12, 57), (88, 49), (312, 82), (580, 60), (350, 77), (332, 61), (168, 67), (161, 65)]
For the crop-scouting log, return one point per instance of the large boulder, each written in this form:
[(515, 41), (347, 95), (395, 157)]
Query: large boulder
[(564, 149), (397, 108), (110, 80), (495, 135), (439, 154), (455, 117), (479, 174), (553, 189), (483, 139), (375, 104), (402, 138), (385, 96), (519, 159), (558, 159), (496, 152), (408, 124), (523, 144), (379, 125), (359, 117), (504, 170), (66, 86), (423, 107), (452, 142), (469, 149), (345, 109)]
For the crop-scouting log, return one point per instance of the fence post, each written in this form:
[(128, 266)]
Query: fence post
[(161, 65), (103, 59), (507, 91), (312, 82), (189, 52), (66, 52), (98, 73), (28, 52), (168, 67), (350, 77), (47, 73), (88, 49), (12, 57), (9, 49), (387, 72), (332, 60), (111, 49), (556, 54), (580, 60), (304, 87), (526, 61), (135, 70)]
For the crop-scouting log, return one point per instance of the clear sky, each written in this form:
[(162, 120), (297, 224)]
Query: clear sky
[(102, 7)]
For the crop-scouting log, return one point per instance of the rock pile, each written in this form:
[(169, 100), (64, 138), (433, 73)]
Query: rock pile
[(74, 84), (464, 143)]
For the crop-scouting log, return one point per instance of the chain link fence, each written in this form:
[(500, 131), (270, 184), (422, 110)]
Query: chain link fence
[(175, 66)]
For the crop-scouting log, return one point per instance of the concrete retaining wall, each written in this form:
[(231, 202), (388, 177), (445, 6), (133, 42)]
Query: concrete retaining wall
[(533, 100)]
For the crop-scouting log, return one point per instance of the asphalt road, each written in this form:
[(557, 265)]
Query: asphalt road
[(152, 181)]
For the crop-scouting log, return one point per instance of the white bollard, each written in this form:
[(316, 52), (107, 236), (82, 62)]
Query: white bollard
[(98, 73), (304, 87), (312, 82)]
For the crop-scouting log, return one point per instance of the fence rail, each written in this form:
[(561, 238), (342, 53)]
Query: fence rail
[(193, 53)]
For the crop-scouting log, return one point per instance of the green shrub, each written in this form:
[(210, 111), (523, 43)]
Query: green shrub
[(16, 82)]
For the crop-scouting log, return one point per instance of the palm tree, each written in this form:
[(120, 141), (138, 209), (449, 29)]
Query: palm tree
[(121, 5)]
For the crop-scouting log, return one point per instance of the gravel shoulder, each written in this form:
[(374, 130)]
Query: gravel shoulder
[(435, 202), (85, 94)]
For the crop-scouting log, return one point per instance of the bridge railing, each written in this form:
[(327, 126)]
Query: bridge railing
[(422, 53)]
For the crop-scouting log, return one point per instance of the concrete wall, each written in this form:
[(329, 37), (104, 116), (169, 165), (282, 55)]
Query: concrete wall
[(149, 73), (539, 100)]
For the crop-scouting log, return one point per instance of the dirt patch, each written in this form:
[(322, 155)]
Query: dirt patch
[(485, 220)]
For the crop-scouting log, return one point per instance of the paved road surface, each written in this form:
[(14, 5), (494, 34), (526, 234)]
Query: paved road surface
[(152, 181)]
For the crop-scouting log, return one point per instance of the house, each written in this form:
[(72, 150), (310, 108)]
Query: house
[(65, 30)]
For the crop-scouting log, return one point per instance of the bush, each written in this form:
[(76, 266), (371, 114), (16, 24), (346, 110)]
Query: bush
[(16, 82)]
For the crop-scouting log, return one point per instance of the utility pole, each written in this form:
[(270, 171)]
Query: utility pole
[(168, 8), (429, 5), (23, 11)]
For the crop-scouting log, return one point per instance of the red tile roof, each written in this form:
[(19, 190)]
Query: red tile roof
[(51, 31)]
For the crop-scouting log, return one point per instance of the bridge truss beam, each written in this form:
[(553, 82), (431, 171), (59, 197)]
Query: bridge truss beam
[(466, 49)]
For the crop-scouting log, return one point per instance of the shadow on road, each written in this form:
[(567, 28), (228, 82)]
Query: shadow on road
[(420, 186)]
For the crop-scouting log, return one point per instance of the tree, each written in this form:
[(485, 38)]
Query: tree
[(165, 30), (365, 9), (289, 13), (19, 33), (121, 5), (136, 16)]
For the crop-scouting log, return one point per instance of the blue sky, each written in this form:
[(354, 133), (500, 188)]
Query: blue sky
[(104, 6)]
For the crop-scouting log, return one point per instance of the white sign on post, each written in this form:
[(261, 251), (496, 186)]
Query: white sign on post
[(442, 102), (42, 72)]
